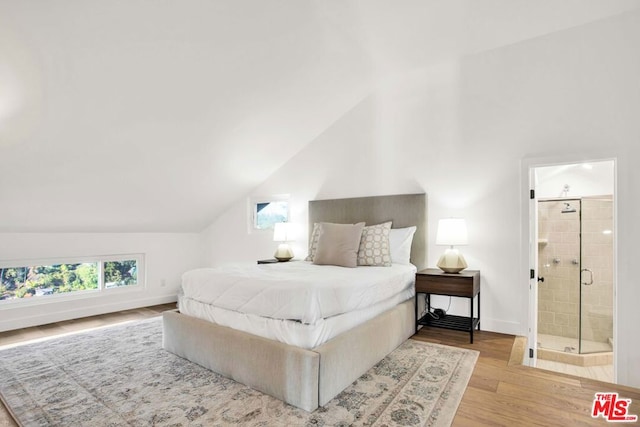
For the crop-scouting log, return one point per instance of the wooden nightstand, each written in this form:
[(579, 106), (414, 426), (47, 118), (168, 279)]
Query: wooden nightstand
[(465, 284)]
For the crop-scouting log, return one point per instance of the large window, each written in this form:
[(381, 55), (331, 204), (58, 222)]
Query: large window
[(21, 281)]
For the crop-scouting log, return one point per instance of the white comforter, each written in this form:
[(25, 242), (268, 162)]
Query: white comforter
[(296, 290)]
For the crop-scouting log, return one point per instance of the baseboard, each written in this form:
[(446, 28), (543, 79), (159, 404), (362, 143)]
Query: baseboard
[(502, 326)]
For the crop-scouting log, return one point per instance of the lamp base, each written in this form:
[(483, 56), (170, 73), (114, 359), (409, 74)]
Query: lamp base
[(452, 261), (283, 253)]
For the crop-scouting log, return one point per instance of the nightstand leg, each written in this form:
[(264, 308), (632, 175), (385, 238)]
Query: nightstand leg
[(471, 320), (416, 307), (478, 310)]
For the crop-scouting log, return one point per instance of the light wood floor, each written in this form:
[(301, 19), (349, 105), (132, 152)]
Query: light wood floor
[(501, 391)]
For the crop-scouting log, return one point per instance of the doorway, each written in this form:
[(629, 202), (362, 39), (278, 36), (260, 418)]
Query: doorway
[(574, 302)]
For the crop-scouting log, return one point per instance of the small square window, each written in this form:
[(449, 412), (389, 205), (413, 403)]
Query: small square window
[(120, 273), (267, 211)]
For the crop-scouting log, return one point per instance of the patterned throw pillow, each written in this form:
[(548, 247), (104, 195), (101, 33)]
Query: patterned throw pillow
[(313, 242), (374, 245)]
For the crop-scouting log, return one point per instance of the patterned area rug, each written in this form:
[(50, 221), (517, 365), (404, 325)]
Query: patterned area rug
[(121, 376)]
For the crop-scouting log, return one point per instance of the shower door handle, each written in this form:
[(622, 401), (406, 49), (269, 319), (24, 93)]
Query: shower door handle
[(584, 282)]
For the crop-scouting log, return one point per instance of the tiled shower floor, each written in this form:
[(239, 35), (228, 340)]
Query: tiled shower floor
[(552, 342), (601, 372)]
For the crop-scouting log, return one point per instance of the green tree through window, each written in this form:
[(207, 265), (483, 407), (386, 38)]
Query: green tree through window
[(120, 273), (35, 281)]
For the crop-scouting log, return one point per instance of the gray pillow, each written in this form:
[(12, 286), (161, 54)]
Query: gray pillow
[(338, 244)]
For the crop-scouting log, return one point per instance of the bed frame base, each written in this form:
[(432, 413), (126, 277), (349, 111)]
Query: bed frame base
[(303, 378)]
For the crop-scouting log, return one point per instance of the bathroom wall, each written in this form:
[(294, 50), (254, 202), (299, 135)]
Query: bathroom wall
[(559, 263)]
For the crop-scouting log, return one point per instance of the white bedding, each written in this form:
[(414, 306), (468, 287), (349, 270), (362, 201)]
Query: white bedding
[(289, 331), (297, 290)]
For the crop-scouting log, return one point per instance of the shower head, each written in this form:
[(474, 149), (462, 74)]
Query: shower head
[(568, 209)]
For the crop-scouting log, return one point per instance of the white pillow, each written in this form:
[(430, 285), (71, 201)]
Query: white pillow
[(400, 244)]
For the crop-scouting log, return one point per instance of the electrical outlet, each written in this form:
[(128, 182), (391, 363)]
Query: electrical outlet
[(163, 283)]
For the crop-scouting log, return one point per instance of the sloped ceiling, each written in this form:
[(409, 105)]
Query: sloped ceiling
[(146, 115)]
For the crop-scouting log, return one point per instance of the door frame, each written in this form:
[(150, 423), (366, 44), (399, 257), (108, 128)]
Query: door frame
[(529, 241), (532, 248)]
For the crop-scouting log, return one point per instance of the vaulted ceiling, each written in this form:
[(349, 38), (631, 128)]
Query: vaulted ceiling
[(144, 115)]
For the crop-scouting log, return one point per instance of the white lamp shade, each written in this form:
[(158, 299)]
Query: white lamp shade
[(284, 232), (452, 232)]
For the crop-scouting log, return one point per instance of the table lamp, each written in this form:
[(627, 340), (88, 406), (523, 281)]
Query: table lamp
[(452, 232), (283, 232)]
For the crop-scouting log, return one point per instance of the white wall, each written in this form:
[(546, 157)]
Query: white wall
[(463, 132), (167, 256), (597, 180)]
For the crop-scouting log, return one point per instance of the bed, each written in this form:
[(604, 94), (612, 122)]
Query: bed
[(311, 367)]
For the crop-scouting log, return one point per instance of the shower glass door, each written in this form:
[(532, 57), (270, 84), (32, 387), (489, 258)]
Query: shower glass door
[(596, 275), (559, 267)]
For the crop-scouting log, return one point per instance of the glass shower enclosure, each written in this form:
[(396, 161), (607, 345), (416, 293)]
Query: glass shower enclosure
[(575, 291)]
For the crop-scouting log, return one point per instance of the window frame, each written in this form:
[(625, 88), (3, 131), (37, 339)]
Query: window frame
[(102, 290), (253, 211)]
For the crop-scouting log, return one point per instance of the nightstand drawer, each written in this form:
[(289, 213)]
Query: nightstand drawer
[(463, 284)]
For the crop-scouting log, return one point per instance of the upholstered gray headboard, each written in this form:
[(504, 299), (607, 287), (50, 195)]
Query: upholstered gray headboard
[(404, 210)]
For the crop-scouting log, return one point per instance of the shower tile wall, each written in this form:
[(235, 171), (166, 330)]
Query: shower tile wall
[(559, 263), (558, 247)]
